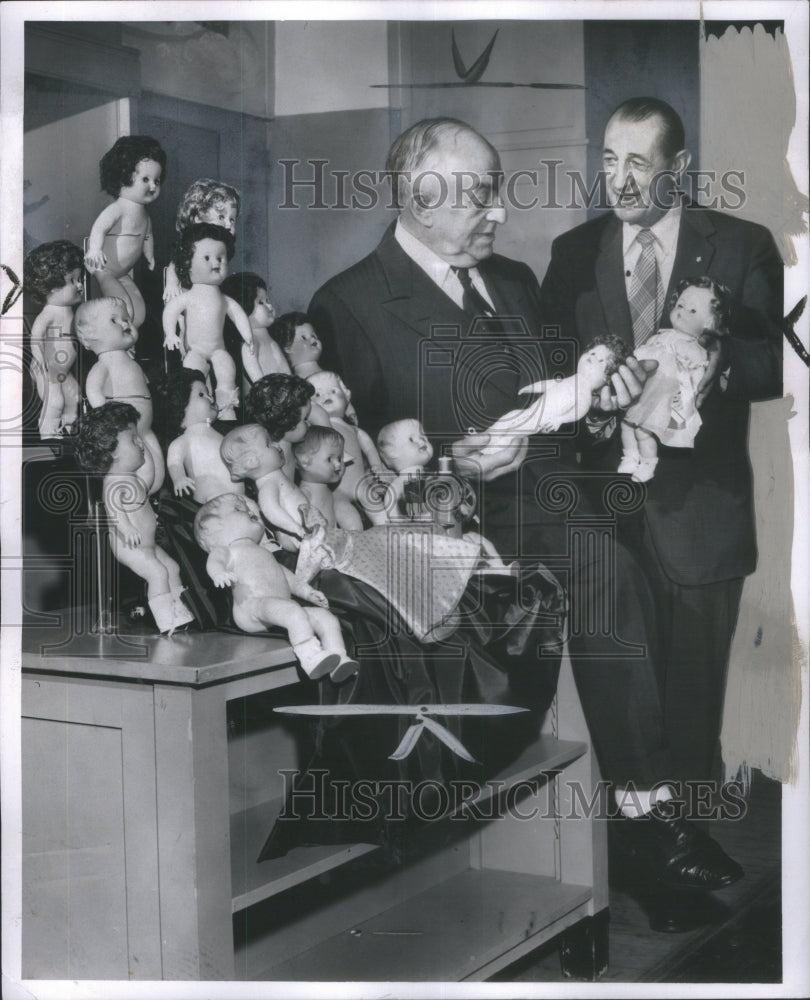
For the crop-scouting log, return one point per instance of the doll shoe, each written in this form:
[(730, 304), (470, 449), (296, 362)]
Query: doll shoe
[(629, 464), (162, 608), (645, 470), (314, 660), (344, 670)]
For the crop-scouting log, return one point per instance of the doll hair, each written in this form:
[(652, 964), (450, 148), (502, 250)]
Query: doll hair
[(201, 196), (171, 396), (84, 319), (238, 442), (617, 347), (189, 238), (283, 329), (315, 437), (275, 402), (243, 289), (47, 266), (720, 304), (387, 438), (117, 166), (97, 435)]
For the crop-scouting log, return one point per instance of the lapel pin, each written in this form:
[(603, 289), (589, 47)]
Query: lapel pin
[(698, 260)]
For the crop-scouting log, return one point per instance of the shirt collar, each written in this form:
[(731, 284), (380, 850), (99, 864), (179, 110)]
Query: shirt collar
[(665, 231), (430, 262)]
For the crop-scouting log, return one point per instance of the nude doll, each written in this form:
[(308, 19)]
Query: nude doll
[(320, 460)]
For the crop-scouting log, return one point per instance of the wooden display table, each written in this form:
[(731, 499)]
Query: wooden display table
[(142, 822)]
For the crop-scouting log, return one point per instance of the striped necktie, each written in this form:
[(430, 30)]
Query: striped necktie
[(645, 290), (473, 302)]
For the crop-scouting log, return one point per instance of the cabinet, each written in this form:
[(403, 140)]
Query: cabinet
[(142, 821)]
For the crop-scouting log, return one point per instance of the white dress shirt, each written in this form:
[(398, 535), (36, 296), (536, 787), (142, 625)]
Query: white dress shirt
[(665, 245)]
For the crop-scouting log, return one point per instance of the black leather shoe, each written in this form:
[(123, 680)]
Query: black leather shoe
[(675, 852)]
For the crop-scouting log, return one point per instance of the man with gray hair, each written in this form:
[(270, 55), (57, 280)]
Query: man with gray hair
[(434, 325)]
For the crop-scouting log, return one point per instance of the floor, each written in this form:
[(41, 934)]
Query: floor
[(741, 944)]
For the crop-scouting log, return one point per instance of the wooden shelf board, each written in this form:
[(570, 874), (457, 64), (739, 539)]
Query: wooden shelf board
[(458, 929)]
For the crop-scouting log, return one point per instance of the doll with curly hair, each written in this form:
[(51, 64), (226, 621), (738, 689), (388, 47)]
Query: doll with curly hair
[(201, 260), (108, 444), (206, 200), (53, 274), (250, 291), (667, 411), (132, 172)]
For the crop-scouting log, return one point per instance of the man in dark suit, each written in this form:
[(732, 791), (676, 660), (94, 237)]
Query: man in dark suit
[(696, 537), (434, 325)]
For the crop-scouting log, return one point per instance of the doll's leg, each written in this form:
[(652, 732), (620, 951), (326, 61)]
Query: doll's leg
[(630, 452), (327, 629), (315, 660), (70, 389), (113, 288), (151, 442), (180, 613), (138, 312), (648, 450), (144, 562), (197, 360), (226, 395), (53, 406)]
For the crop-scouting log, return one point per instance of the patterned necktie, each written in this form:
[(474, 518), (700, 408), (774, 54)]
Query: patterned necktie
[(473, 302), (645, 290)]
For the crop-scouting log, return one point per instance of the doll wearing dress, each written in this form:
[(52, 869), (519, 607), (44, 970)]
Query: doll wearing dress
[(132, 172), (108, 444), (201, 260), (230, 529), (103, 326), (667, 412), (53, 274)]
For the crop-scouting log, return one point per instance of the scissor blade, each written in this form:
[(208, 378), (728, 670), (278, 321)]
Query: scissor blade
[(461, 709)]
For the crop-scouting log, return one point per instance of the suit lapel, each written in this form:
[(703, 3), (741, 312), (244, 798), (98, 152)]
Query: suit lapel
[(610, 283), (695, 247)]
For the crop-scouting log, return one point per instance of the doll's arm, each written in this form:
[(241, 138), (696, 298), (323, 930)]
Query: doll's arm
[(238, 317), (171, 314), (95, 258), (298, 588), (146, 473), (250, 363), (172, 287), (369, 450), (149, 245), (94, 386), (118, 493), (175, 463), (217, 567), (535, 387)]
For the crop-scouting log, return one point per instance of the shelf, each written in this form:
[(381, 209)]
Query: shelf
[(466, 927), (251, 882)]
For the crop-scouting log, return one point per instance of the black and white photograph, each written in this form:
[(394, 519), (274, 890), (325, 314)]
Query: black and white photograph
[(519, 711)]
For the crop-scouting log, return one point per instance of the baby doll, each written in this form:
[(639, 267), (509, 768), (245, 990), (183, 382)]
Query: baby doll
[(201, 260), (230, 529), (249, 453), (561, 402), (282, 404), (103, 327), (333, 396), (251, 293), (131, 172), (205, 201), (53, 274), (319, 457), (108, 444), (193, 458), (667, 411)]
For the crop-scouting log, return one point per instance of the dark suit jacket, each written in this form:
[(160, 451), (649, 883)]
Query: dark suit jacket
[(699, 507)]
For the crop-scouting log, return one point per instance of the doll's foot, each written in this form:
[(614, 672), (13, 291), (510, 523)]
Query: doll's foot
[(344, 670), (645, 470), (314, 660), (629, 464)]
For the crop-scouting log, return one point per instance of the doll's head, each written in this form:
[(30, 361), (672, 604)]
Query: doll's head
[(281, 403), (134, 168), (249, 452), (182, 400), (250, 291), (602, 358), (209, 201), (699, 304), (226, 518), (104, 325), (319, 455), (202, 253), (53, 273), (402, 445), (107, 437), (295, 335), (330, 393)]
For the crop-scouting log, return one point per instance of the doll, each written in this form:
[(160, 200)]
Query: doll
[(230, 529), (193, 458), (103, 327), (333, 396), (108, 444), (283, 405), (667, 411), (53, 274), (205, 201), (561, 402), (251, 293), (249, 453), (320, 460), (132, 172), (201, 260)]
